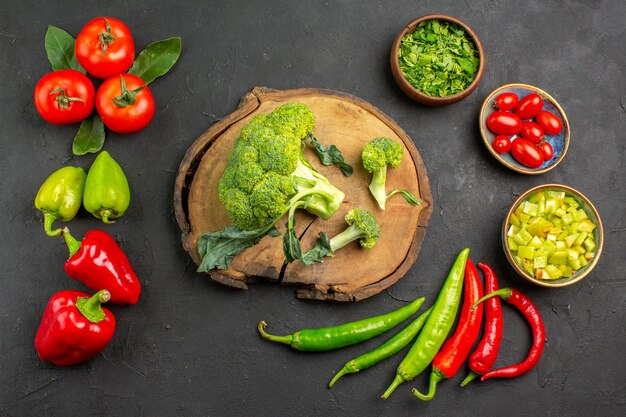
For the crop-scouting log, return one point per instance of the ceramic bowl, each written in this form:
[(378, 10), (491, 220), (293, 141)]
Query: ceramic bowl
[(559, 143), (413, 92), (598, 236)]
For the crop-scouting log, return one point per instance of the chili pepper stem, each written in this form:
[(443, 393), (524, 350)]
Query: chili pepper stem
[(279, 339), (91, 307), (469, 378), (345, 370), (396, 382), (435, 376), (48, 220), (505, 293), (72, 243)]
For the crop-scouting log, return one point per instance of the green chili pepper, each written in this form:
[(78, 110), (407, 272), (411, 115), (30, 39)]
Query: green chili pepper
[(107, 194), (328, 338), (437, 326), (389, 348), (59, 197)]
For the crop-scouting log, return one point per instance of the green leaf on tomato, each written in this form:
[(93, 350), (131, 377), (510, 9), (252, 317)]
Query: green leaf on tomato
[(60, 50), (156, 60), (90, 136)]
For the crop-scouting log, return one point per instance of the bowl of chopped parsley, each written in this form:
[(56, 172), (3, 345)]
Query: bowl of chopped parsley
[(437, 59)]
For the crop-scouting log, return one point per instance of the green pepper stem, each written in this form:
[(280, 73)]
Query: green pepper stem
[(435, 377), (91, 307), (49, 218), (280, 339), (505, 293), (72, 243), (469, 378), (341, 373), (395, 384), (104, 215)]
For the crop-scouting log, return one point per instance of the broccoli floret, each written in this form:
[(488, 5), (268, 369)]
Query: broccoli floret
[(377, 155), (362, 226), (267, 176), (268, 165)]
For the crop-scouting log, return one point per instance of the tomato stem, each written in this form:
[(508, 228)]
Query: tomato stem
[(63, 99), (128, 96), (106, 38)]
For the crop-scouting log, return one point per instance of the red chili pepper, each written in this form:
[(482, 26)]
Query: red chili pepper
[(483, 358), (455, 350), (99, 263), (74, 327), (530, 312)]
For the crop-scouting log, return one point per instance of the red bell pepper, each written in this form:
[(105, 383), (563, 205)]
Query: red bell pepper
[(99, 263), (74, 327)]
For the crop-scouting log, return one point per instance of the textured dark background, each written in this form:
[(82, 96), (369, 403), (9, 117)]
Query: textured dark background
[(189, 347)]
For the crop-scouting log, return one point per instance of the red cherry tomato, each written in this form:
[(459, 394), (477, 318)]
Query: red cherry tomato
[(546, 151), (526, 153), (505, 101), (532, 131), (551, 124), (529, 106), (504, 123), (125, 103), (104, 47), (65, 96), (501, 144)]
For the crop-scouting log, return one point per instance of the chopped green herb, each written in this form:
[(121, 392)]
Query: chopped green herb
[(438, 58)]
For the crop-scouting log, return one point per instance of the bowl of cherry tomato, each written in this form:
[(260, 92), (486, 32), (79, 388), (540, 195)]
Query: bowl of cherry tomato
[(524, 128)]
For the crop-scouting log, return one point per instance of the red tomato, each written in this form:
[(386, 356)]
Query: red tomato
[(546, 151), (551, 124), (104, 47), (532, 131), (529, 106), (65, 96), (504, 123), (505, 101), (526, 153), (125, 103), (501, 144)]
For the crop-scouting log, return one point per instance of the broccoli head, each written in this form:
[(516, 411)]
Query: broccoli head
[(266, 173), (377, 155)]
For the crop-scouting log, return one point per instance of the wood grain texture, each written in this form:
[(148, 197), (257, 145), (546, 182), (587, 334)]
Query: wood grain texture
[(354, 273)]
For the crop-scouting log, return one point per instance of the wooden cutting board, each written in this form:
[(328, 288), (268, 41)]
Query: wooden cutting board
[(354, 273)]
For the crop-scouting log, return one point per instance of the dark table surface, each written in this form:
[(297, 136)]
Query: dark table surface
[(189, 347)]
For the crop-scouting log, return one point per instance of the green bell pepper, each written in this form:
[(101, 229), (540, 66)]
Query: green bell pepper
[(59, 196), (107, 194)]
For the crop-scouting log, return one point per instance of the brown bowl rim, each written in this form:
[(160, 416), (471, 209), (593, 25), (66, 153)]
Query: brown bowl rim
[(566, 126), (599, 246), (413, 92)]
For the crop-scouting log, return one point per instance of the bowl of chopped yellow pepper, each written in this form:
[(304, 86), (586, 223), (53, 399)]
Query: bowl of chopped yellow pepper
[(553, 235)]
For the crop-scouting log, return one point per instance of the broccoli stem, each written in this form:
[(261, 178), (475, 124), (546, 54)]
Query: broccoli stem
[(323, 197), (351, 234), (377, 187)]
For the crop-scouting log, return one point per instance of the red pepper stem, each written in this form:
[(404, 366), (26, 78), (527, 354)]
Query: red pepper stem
[(48, 219), (505, 293), (280, 339), (435, 376), (91, 307), (469, 378), (72, 244)]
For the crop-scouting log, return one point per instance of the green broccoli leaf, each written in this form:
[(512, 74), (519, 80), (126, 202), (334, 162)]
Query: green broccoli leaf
[(218, 249), (319, 251), (410, 198), (331, 155), (291, 243)]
